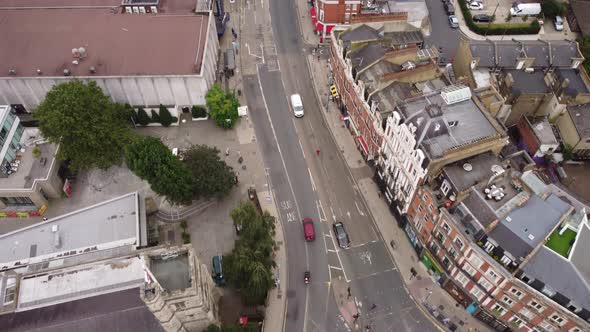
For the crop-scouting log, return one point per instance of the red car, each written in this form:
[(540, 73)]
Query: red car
[(308, 229)]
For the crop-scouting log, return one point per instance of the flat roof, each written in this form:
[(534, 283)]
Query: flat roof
[(481, 168), (118, 311), (542, 129), (441, 127), (580, 115), (527, 226), (80, 282), (109, 224), (172, 273), (136, 44)]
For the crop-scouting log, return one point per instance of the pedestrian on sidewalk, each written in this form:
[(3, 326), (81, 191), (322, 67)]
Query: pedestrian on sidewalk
[(373, 306), (318, 58), (317, 152)]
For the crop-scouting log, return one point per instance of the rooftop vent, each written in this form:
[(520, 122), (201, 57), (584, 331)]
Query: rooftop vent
[(453, 124), (408, 65), (54, 228), (67, 72), (455, 94), (39, 72), (531, 237), (467, 167), (12, 72), (497, 169), (92, 70)]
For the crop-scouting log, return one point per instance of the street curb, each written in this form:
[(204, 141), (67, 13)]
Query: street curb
[(378, 230)]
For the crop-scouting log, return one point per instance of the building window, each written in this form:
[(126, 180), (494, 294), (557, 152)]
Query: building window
[(548, 291), (459, 243), (445, 187), (354, 7), (10, 291), (492, 275), (453, 253), (420, 208), (322, 19), (507, 300), (505, 260), (516, 320), (469, 269), (488, 247), (446, 227), (346, 17), (516, 292), (426, 217), (434, 247), (558, 319), (475, 261), (485, 284), (500, 310), (17, 201), (478, 293), (575, 329), (536, 305), (547, 326), (462, 279), (527, 313)]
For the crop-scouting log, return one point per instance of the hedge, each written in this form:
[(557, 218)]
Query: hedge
[(142, 117), (199, 111), (498, 29), (155, 117), (166, 118)]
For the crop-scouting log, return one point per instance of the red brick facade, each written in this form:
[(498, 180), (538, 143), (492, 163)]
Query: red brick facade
[(361, 122), (531, 142)]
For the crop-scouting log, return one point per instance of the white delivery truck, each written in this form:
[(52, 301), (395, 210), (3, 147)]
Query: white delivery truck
[(525, 9)]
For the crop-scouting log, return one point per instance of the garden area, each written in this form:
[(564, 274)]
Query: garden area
[(561, 244)]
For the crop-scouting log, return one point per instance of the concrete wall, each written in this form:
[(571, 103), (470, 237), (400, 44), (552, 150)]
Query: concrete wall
[(570, 136), (463, 62), (169, 90)]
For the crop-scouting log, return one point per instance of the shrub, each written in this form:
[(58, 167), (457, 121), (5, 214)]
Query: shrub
[(142, 117), (36, 152), (552, 8), (498, 29), (166, 119), (199, 111), (183, 224), (155, 117), (186, 238)]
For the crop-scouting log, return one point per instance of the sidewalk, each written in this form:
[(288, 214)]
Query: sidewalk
[(306, 27), (274, 318), (421, 288)]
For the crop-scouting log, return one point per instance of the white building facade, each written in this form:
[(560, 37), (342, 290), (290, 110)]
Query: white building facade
[(401, 162)]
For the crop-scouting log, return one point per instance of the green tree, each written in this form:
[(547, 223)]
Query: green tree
[(142, 117), (223, 107), (249, 266), (86, 123), (166, 119), (155, 117), (152, 161), (213, 328), (552, 8), (584, 43), (213, 177)]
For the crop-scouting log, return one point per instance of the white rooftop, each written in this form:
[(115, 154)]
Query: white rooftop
[(80, 282), (110, 224)]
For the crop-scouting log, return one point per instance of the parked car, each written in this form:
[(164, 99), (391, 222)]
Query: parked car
[(558, 21), (308, 229), (297, 105), (475, 5), (454, 21), (341, 235), (449, 8), (482, 18)]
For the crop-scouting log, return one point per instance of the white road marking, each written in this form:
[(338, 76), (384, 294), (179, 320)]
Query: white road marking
[(311, 178), (328, 235), (330, 250), (339, 259), (359, 209), (254, 55), (321, 212), (302, 151), (366, 257), (348, 214), (335, 267), (333, 215)]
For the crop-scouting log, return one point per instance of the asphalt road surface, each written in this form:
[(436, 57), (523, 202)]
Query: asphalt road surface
[(442, 35), (321, 187)]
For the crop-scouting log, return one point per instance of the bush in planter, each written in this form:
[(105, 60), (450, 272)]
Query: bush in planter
[(155, 117), (36, 152), (199, 111), (166, 119), (142, 117)]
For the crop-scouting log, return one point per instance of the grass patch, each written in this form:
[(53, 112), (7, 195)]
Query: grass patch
[(561, 244)]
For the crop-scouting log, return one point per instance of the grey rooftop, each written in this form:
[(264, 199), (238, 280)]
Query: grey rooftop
[(105, 225)]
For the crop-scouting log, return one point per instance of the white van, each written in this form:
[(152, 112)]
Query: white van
[(525, 9), (297, 105)]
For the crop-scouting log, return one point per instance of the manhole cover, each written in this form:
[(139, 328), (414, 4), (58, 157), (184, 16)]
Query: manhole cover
[(461, 323), (441, 307)]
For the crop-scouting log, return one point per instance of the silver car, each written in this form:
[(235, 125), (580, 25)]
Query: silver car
[(454, 21)]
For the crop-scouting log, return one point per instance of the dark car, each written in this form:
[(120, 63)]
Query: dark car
[(482, 18), (308, 229), (341, 235), (449, 8)]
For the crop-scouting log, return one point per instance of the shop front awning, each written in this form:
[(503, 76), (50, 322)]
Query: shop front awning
[(314, 21), (364, 145), (329, 29), (312, 12), (319, 27)]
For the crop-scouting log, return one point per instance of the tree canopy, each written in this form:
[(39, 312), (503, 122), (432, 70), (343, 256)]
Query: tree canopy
[(152, 161), (249, 266), (92, 130), (223, 107), (552, 8), (213, 177)]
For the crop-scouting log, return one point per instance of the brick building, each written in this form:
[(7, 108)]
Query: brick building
[(505, 245), (372, 68), (536, 136)]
